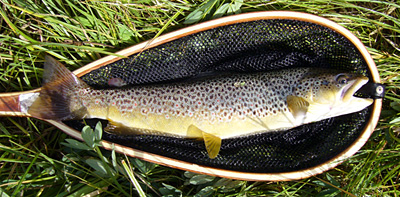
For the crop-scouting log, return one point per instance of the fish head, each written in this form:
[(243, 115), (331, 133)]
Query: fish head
[(331, 93)]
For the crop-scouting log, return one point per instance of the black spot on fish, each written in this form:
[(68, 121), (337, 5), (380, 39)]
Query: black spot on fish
[(325, 82)]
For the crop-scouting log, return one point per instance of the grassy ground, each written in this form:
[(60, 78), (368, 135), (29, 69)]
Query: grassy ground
[(36, 159)]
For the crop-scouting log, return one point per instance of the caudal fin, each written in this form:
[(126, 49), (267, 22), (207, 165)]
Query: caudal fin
[(58, 99)]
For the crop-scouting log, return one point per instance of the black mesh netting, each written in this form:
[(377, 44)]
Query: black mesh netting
[(250, 46)]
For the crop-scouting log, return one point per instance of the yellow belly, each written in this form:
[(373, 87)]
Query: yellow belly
[(178, 125)]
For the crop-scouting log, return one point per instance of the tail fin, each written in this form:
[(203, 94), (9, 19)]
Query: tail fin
[(58, 99)]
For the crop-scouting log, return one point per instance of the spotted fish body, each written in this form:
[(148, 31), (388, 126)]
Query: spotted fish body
[(212, 108), (227, 106)]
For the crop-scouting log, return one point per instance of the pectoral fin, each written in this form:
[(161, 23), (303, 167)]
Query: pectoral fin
[(298, 106), (212, 142)]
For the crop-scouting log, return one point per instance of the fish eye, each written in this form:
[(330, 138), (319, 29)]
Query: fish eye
[(341, 79)]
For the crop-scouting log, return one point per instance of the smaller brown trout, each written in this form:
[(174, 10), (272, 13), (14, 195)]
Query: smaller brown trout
[(210, 109)]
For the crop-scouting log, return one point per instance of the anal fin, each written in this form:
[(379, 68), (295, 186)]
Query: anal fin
[(212, 142), (120, 129)]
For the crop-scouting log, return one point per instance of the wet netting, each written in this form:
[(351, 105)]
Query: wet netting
[(245, 47)]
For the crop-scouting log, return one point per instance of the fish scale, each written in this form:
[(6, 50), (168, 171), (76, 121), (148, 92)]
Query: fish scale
[(211, 109), (212, 99)]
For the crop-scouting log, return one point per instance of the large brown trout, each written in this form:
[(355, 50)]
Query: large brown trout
[(210, 109)]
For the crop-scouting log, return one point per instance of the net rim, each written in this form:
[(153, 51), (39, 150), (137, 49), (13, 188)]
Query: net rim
[(247, 17), (240, 18)]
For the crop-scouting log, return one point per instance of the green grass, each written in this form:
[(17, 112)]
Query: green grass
[(36, 159)]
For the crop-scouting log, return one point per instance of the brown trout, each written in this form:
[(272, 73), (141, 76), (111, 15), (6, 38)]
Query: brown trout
[(210, 109)]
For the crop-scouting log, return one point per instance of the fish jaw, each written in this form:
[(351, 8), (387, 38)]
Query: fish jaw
[(345, 102), (348, 103), (339, 102), (350, 89), (355, 104)]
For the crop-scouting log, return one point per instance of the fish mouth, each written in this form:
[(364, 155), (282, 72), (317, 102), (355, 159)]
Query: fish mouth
[(352, 87)]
